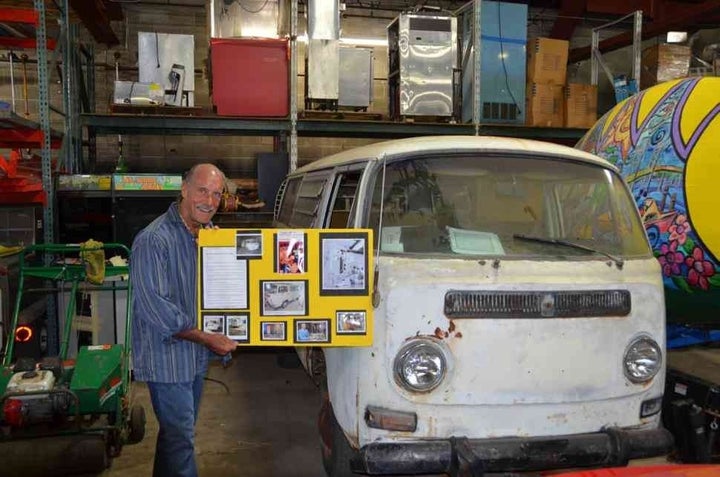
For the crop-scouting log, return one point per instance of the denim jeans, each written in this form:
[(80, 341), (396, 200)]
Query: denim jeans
[(176, 407)]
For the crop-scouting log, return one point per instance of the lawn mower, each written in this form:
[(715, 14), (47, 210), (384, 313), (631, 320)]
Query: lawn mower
[(62, 416)]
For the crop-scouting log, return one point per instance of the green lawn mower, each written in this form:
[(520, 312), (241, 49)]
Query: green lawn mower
[(61, 416)]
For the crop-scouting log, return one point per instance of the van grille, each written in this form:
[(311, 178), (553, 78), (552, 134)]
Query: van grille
[(542, 304)]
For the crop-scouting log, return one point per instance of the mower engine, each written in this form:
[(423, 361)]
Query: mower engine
[(31, 398)]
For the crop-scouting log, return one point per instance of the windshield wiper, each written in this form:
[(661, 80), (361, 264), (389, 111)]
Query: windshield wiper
[(619, 262)]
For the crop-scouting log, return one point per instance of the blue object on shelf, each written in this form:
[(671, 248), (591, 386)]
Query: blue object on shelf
[(624, 87), (503, 43)]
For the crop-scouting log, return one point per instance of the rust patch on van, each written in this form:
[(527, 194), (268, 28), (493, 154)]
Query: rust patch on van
[(449, 333)]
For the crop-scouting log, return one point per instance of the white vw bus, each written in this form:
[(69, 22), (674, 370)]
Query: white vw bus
[(519, 312)]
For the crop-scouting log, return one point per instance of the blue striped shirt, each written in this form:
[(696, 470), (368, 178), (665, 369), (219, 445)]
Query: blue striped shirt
[(163, 273)]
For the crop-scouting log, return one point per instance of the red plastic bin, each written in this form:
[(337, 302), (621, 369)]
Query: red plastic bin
[(249, 76)]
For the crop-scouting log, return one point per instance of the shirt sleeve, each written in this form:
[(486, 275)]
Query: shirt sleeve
[(149, 272)]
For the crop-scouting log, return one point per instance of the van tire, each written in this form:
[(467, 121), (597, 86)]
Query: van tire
[(336, 458)]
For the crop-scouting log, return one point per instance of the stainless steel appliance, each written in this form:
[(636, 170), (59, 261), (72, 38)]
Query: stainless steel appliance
[(356, 77), (422, 50)]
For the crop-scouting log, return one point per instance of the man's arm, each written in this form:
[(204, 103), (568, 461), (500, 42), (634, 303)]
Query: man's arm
[(218, 344)]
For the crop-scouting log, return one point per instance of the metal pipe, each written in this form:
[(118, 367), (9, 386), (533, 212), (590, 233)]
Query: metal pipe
[(24, 59), (12, 80)]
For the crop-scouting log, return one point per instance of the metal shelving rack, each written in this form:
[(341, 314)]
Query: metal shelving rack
[(287, 130), (17, 132)]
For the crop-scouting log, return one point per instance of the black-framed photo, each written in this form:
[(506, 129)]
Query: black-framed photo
[(312, 331), (290, 250), (273, 331), (343, 263), (248, 244), (351, 322), (214, 324), (238, 326), (284, 297)]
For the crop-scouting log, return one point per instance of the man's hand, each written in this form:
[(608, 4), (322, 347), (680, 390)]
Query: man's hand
[(218, 344)]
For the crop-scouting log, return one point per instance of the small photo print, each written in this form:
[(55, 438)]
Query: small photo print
[(273, 331), (290, 252), (248, 244), (214, 324), (237, 327), (351, 322), (312, 331), (281, 298), (344, 264)]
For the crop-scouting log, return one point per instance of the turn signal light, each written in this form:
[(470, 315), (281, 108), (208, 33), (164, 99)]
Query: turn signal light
[(23, 334)]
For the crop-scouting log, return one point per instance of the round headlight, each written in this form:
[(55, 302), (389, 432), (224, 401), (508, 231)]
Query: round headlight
[(642, 360), (420, 366)]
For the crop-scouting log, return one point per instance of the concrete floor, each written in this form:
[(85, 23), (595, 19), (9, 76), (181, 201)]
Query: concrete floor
[(266, 426)]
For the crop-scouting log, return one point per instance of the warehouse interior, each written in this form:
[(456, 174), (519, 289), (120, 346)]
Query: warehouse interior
[(104, 104)]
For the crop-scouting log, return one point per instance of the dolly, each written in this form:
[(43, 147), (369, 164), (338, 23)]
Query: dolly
[(61, 416)]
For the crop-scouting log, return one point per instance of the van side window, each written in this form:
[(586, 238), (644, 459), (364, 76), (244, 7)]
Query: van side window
[(344, 194), (308, 201), (288, 200)]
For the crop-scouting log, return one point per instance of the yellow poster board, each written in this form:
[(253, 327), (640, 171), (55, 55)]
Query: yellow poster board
[(286, 287)]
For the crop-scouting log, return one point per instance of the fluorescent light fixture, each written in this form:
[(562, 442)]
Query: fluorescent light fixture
[(353, 41), (677, 36)]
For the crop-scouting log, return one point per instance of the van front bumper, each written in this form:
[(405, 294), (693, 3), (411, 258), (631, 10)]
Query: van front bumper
[(459, 456)]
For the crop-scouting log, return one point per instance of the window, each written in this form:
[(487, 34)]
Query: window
[(482, 205), (344, 196), (288, 200), (308, 201)]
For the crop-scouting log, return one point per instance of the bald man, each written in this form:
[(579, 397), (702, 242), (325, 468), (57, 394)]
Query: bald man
[(169, 352)]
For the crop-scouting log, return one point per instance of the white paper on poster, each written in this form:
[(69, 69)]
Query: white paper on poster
[(224, 279)]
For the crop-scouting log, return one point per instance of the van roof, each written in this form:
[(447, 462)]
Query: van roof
[(375, 151)]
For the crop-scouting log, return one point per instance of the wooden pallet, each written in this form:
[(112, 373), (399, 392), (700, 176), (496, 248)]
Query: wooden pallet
[(427, 119), (341, 115), (156, 110)]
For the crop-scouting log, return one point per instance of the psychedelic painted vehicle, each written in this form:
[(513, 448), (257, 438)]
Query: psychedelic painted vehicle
[(664, 141)]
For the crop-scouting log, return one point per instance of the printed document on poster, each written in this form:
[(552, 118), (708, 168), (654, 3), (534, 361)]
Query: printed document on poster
[(224, 279)]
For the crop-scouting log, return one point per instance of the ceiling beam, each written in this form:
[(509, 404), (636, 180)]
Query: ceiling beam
[(677, 18), (569, 15), (94, 16)]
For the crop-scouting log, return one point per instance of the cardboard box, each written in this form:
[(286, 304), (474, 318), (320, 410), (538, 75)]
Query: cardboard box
[(580, 105), (717, 66), (662, 63), (544, 105), (547, 61)]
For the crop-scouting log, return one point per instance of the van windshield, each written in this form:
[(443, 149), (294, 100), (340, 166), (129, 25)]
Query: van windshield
[(490, 205)]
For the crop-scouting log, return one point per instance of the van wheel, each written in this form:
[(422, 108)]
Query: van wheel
[(336, 451)]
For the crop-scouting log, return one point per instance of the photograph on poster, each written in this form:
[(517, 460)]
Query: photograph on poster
[(214, 324), (344, 264), (237, 327), (273, 331), (248, 244), (290, 252), (284, 297), (351, 322), (312, 331)]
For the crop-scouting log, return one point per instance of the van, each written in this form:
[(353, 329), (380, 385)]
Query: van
[(519, 319)]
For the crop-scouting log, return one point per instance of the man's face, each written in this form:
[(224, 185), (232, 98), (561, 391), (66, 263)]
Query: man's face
[(201, 195)]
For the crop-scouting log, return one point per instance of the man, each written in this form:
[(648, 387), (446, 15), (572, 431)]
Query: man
[(169, 352)]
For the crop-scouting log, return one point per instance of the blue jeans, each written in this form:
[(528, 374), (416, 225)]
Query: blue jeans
[(176, 407)]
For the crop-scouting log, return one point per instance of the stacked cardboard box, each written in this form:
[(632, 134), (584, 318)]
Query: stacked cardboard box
[(580, 105), (662, 63), (547, 69)]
